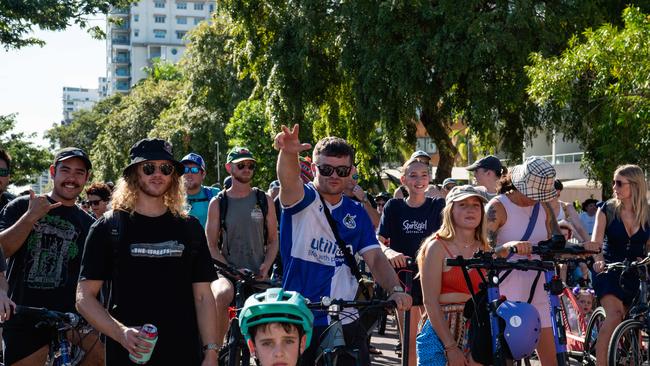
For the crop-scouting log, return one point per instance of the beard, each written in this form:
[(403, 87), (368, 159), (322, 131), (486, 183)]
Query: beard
[(152, 190), (242, 178)]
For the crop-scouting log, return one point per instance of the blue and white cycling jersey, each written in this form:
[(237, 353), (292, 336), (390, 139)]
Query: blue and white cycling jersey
[(312, 261)]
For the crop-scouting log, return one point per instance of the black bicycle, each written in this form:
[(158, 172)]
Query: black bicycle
[(332, 342), (235, 352), (629, 344), (62, 352)]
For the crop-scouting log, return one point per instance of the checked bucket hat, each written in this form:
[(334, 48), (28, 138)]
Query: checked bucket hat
[(535, 179)]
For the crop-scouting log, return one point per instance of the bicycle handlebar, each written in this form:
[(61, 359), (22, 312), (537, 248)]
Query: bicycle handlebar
[(246, 275), (50, 318), (326, 302), (626, 264), (545, 250), (486, 261)]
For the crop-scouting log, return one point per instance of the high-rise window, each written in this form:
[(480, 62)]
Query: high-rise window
[(159, 33), (198, 20), (136, 17), (181, 5), (180, 34), (198, 6), (136, 33), (159, 18), (211, 8), (159, 4), (181, 20)]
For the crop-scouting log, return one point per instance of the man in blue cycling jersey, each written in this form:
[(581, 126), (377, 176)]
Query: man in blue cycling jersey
[(313, 263)]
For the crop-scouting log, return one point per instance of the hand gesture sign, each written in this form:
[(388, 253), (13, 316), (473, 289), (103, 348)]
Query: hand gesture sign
[(39, 205), (288, 140)]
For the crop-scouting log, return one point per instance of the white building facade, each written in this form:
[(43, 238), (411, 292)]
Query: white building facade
[(149, 29), (75, 99)]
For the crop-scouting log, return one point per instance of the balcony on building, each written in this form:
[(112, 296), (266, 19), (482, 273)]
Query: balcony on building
[(122, 72), (122, 58), (123, 26), (119, 11), (120, 40), (122, 86)]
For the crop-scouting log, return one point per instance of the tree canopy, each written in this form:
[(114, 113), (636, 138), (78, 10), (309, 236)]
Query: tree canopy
[(598, 93), (19, 17), (28, 160)]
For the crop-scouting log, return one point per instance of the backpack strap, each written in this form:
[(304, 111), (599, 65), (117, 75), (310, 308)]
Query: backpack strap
[(116, 224), (223, 209)]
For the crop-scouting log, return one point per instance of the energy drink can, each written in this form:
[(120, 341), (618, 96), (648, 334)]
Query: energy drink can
[(148, 333)]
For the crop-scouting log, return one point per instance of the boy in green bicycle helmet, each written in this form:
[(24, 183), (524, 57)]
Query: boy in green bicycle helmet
[(277, 326)]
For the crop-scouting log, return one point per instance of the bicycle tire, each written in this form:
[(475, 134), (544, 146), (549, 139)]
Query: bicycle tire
[(234, 356), (626, 346), (591, 335)]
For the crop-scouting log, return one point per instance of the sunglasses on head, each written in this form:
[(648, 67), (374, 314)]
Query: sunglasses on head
[(619, 183), (94, 202), (327, 170), (4, 172), (250, 166), (193, 170), (150, 168)]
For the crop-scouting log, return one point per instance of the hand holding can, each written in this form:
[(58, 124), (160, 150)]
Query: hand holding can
[(149, 334)]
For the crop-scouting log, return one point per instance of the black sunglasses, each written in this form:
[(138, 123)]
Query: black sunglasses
[(149, 168), (342, 171), (619, 183), (250, 166), (193, 170), (4, 172), (94, 202)]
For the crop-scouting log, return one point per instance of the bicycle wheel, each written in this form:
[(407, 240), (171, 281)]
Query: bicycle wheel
[(230, 354), (629, 344), (591, 335)]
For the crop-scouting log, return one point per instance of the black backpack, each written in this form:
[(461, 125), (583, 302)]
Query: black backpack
[(223, 209)]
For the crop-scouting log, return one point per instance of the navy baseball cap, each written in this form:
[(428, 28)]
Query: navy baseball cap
[(194, 158), (73, 152), (490, 162)]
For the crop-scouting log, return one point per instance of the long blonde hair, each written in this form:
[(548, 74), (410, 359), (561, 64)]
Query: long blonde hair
[(448, 233), (127, 188), (638, 190)]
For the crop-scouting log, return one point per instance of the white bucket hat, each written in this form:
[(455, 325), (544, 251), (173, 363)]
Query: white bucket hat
[(534, 179)]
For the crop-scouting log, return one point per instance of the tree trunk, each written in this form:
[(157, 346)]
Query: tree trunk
[(440, 133)]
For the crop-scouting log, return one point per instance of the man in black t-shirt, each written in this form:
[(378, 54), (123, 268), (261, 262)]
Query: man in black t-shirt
[(43, 237), (157, 259)]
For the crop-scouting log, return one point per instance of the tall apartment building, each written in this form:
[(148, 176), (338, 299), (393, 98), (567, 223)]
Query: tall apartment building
[(75, 99), (147, 30)]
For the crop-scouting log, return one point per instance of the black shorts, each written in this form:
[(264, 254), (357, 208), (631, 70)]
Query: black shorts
[(22, 338)]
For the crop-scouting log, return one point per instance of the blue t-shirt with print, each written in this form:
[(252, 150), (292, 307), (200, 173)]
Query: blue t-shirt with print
[(408, 226), (199, 203), (312, 261)]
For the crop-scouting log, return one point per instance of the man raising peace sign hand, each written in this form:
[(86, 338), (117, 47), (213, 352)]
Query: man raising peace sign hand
[(313, 266), (43, 236)]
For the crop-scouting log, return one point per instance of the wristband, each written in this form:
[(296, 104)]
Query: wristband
[(450, 346), (211, 347)]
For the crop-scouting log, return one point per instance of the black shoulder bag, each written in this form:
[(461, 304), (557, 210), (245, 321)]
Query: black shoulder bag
[(365, 289)]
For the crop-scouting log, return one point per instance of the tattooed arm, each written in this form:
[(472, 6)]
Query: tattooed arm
[(496, 217)]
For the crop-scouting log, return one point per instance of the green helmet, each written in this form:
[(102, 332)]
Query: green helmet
[(276, 305)]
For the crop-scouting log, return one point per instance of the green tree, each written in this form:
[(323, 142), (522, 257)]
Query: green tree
[(386, 64), (196, 120), (28, 160), (598, 93), (19, 17), (130, 121), (250, 128), (86, 125)]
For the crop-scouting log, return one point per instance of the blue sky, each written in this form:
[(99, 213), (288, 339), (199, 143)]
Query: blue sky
[(32, 78)]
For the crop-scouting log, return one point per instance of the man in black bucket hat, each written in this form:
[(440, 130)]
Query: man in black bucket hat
[(156, 257)]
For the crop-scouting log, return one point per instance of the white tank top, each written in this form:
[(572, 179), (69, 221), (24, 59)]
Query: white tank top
[(517, 222)]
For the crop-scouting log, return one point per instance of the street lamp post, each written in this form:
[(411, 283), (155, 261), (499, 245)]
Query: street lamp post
[(218, 163)]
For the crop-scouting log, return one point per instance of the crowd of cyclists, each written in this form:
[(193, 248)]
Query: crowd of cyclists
[(143, 250)]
